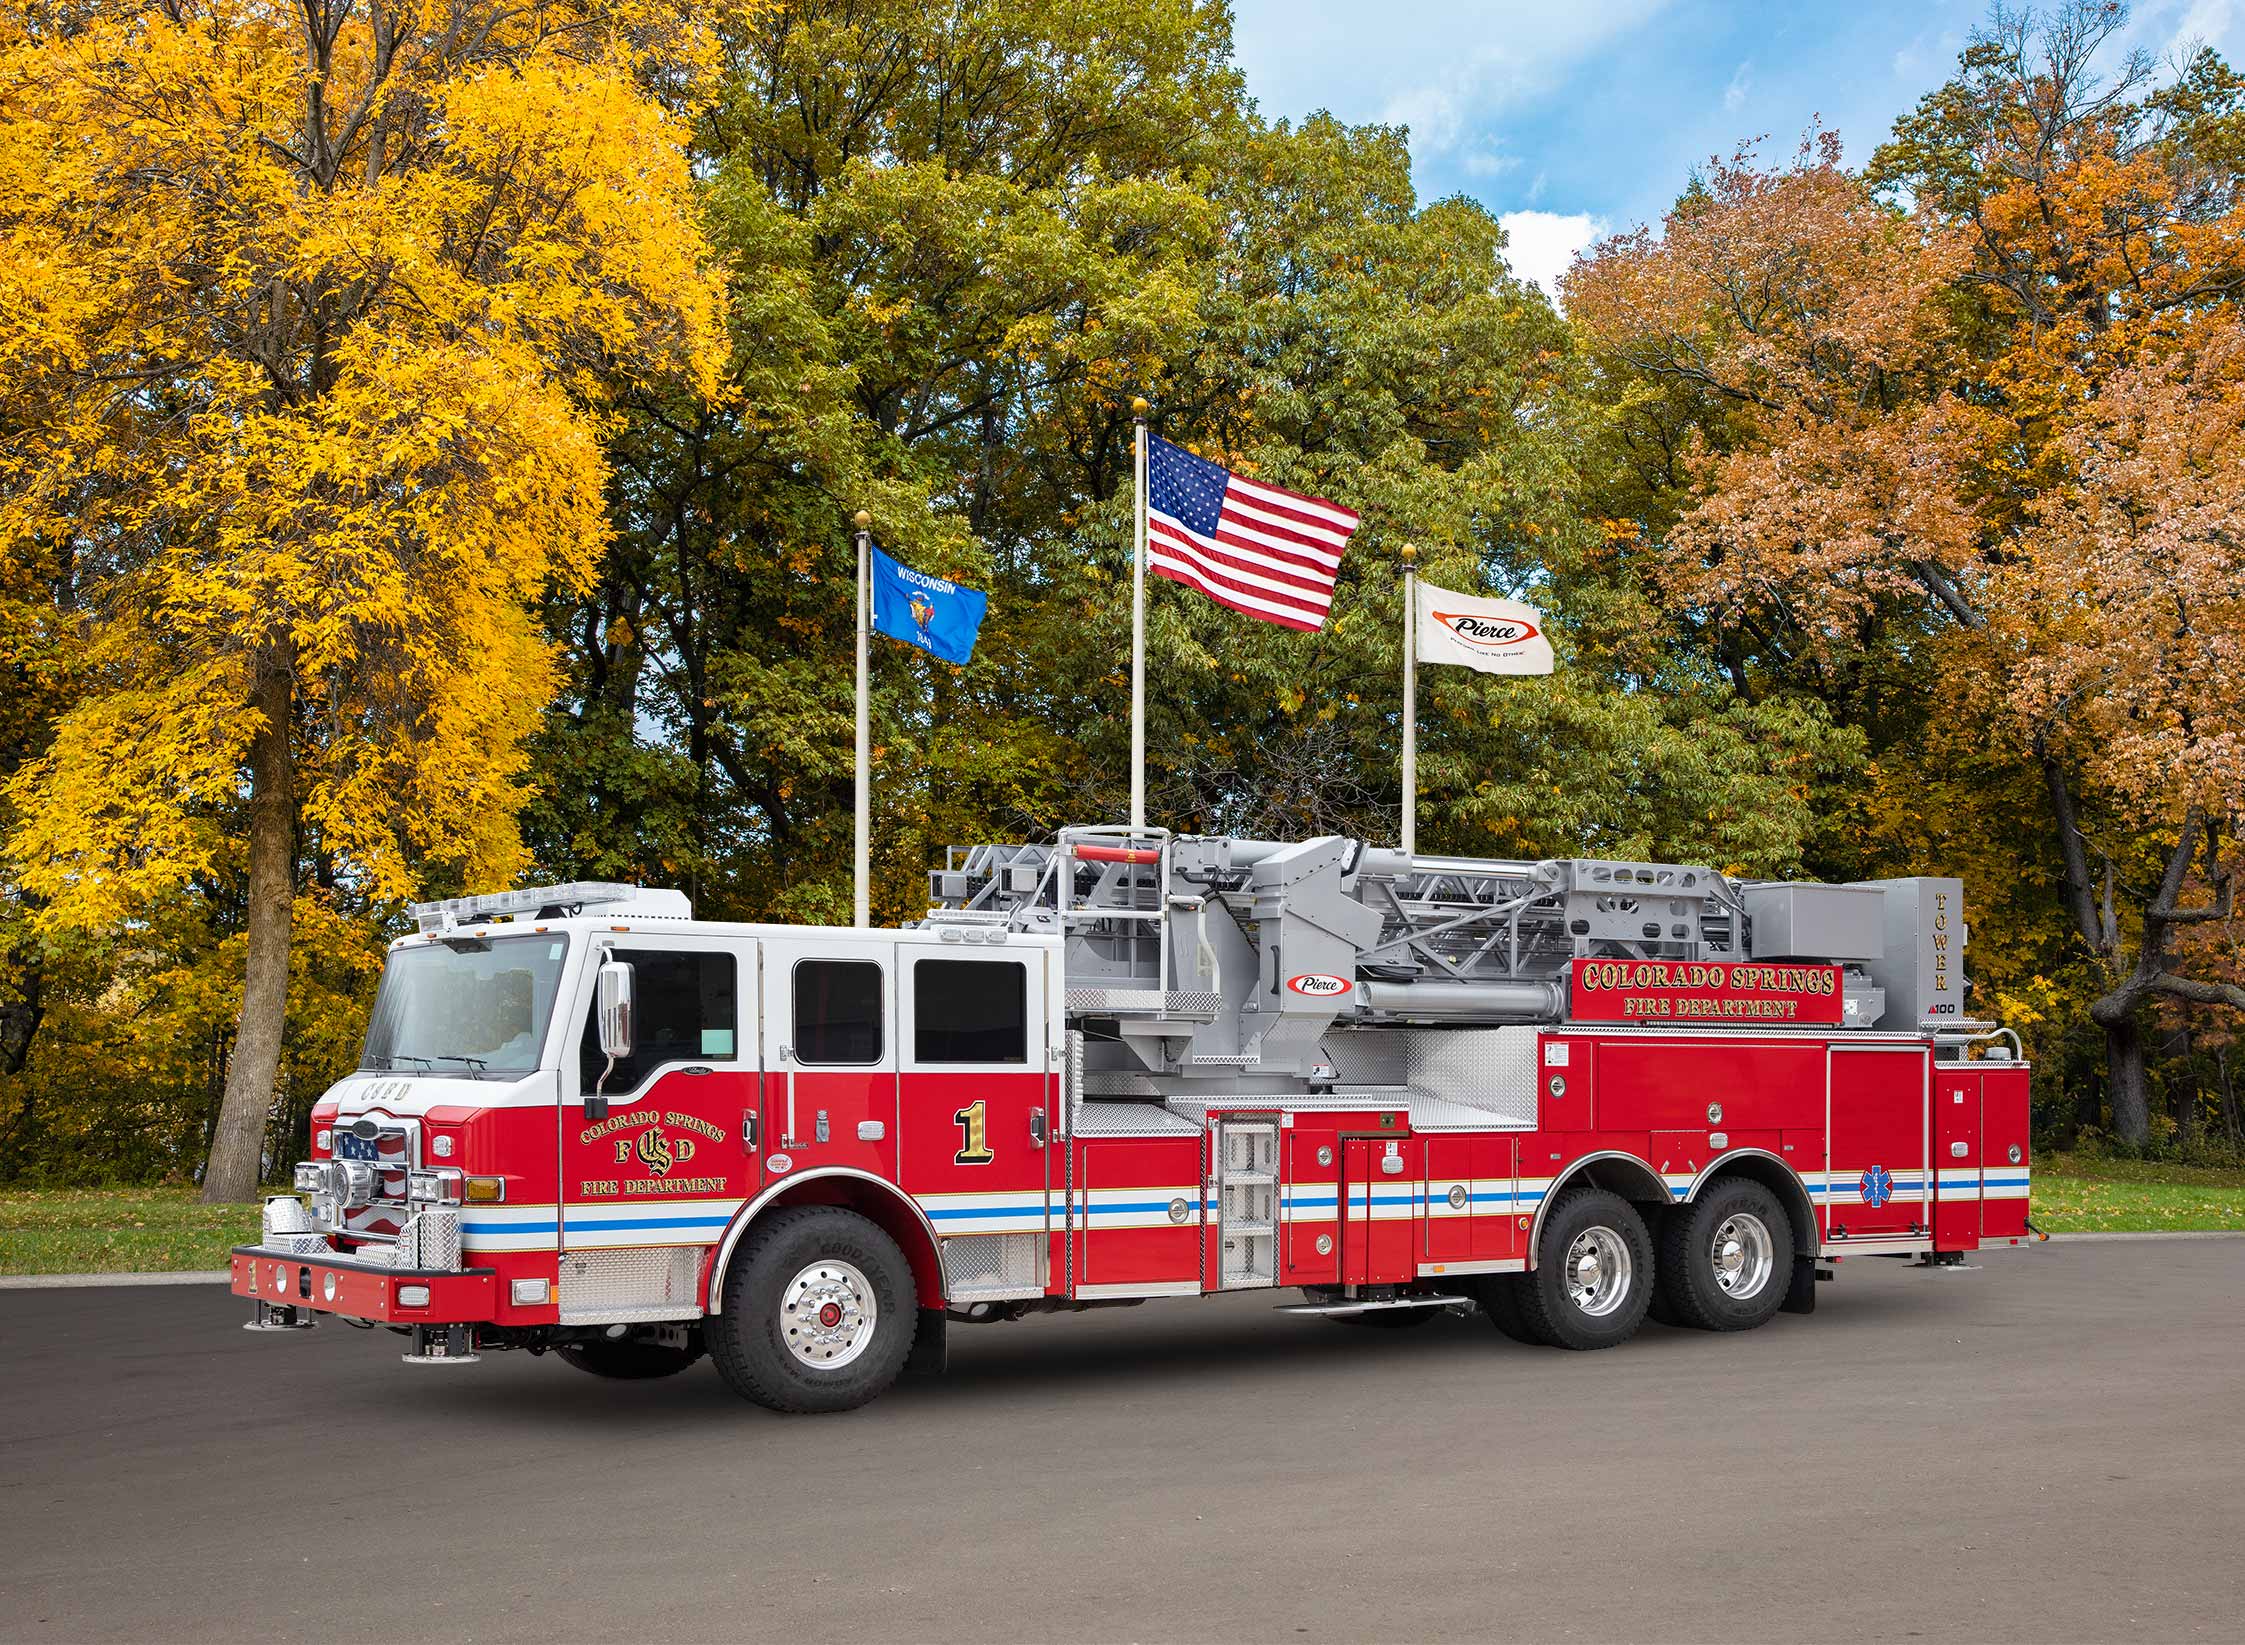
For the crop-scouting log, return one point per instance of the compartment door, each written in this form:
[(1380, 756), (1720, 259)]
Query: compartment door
[(2004, 1124), (1956, 1158), (1381, 1207), (1447, 1231), (1309, 1227), (1877, 1184)]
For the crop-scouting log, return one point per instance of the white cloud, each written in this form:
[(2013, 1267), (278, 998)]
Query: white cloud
[(2205, 22), (1443, 69), (1734, 94), (1540, 244)]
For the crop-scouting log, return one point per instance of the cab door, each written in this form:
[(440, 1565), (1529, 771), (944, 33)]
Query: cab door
[(979, 1092), (660, 1149), (830, 1057)]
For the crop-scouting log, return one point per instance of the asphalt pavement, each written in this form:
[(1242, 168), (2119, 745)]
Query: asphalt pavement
[(2049, 1448)]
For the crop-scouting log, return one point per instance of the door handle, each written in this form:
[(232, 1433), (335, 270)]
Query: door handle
[(1036, 1127), (748, 1130)]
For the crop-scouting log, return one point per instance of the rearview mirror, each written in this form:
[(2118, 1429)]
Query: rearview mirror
[(614, 1009)]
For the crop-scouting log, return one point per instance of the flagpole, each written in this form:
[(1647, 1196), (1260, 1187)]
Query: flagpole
[(1410, 701), (862, 841), (1138, 410)]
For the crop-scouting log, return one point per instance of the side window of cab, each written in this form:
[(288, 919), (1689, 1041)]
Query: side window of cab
[(973, 1012), (687, 1009)]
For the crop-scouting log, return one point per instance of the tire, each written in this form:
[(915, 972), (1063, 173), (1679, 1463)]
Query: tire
[(629, 1361), (1659, 1310), (786, 1338), (1726, 1260), (1593, 1278), (1500, 1300)]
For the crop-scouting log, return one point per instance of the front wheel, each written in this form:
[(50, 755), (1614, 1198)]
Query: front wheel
[(1594, 1273), (819, 1312), (1726, 1259)]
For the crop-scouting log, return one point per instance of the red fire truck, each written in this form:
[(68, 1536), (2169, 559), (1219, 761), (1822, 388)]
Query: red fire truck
[(1126, 1065)]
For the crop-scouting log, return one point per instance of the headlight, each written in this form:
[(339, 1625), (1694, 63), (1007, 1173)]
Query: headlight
[(324, 1140), (440, 1187), (327, 1287), (353, 1181), (311, 1177)]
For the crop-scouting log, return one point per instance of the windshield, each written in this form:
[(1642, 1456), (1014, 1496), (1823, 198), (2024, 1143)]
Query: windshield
[(473, 1008)]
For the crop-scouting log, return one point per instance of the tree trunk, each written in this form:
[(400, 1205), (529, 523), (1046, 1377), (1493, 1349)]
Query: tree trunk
[(2124, 1077), (2230, 1121), (237, 1152)]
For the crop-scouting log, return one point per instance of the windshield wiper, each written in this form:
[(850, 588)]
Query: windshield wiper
[(397, 1057), (477, 1063)]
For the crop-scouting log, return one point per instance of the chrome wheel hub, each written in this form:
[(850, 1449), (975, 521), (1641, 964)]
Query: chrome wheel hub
[(1744, 1255), (1597, 1270), (828, 1314)]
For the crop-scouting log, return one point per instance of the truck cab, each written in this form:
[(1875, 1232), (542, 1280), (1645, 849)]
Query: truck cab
[(571, 1102)]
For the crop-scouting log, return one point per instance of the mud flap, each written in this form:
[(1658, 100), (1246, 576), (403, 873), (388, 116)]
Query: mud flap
[(1800, 1296), (930, 1347)]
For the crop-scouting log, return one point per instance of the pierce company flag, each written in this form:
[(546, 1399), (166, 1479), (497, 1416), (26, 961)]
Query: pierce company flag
[(939, 616), (1269, 553), (1494, 636)]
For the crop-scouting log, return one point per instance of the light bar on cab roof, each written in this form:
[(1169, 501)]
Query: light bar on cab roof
[(576, 897)]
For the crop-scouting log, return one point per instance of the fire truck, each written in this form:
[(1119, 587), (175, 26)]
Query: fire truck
[(1127, 1065)]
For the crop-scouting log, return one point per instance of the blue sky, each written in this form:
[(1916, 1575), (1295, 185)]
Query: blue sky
[(1574, 118)]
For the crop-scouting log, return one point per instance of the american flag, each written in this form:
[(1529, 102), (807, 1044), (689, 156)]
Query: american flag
[(1270, 553)]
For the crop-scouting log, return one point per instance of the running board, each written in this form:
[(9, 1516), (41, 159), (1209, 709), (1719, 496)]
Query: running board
[(1371, 1307)]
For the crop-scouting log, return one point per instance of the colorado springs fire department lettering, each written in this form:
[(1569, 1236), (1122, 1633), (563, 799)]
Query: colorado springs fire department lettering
[(632, 1122)]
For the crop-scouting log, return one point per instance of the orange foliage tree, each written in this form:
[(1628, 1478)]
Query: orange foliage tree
[(1977, 404)]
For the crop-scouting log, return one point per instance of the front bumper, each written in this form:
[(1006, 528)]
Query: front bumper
[(363, 1290)]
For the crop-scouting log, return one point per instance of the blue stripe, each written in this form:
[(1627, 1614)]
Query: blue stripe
[(507, 1228), (949, 1212)]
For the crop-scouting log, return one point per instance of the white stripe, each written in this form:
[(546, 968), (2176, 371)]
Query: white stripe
[(1320, 536), (1196, 579), (1254, 556), (1343, 517), (1307, 556), (1284, 590)]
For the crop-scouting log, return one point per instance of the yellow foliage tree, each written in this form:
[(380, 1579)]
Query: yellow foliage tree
[(307, 316)]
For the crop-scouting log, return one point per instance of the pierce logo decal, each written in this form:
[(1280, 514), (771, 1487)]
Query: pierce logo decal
[(1319, 985), (1488, 633)]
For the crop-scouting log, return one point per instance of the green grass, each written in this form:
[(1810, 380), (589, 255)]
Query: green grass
[(117, 1230), (149, 1230), (2086, 1193)]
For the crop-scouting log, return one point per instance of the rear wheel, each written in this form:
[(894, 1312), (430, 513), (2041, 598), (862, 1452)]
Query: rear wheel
[(819, 1312), (626, 1360), (1727, 1258), (1593, 1276)]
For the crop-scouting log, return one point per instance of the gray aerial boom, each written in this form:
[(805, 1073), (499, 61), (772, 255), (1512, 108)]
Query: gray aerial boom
[(1211, 957)]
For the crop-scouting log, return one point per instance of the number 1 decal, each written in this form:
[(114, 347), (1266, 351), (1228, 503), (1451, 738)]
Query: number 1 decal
[(974, 1135)]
